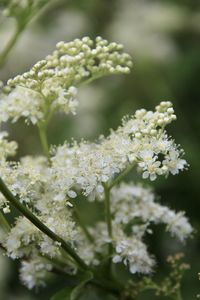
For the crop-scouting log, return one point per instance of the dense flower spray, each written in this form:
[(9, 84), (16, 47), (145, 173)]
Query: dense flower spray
[(46, 189)]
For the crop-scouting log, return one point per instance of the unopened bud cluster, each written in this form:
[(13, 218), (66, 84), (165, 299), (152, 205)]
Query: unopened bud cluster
[(51, 84)]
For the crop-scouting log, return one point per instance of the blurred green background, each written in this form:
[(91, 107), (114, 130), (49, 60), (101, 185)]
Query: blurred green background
[(163, 38)]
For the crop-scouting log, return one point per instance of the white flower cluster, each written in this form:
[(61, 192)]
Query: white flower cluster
[(29, 180), (141, 140), (134, 209), (131, 202), (49, 191), (51, 84), (23, 234), (130, 250), (33, 273), (132, 205), (48, 186), (6, 148), (133, 252), (25, 239)]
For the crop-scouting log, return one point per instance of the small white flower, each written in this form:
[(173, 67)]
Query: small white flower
[(72, 194)]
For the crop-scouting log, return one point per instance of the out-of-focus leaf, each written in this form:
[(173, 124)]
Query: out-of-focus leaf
[(86, 277), (64, 294), (92, 293), (73, 293)]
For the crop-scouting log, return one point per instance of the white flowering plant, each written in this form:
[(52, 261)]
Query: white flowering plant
[(50, 235)]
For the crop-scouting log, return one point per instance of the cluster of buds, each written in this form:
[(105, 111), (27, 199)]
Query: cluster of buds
[(75, 61), (51, 84)]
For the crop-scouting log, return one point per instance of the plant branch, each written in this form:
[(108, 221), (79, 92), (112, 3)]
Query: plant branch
[(121, 176), (11, 43), (178, 295), (43, 139), (108, 219), (20, 26), (82, 225), (107, 210), (42, 227), (2, 247), (4, 223)]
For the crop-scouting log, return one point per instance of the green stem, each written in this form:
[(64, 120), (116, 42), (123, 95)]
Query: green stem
[(107, 285), (11, 43), (108, 218), (42, 227), (4, 223), (121, 176), (82, 225), (20, 26), (43, 139), (53, 260), (178, 295), (89, 80), (107, 210), (2, 248)]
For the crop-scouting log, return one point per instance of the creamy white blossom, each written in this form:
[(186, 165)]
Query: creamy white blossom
[(6, 148), (49, 189), (129, 202), (49, 186), (130, 250), (33, 272), (21, 238), (141, 140), (134, 207), (24, 238), (133, 252)]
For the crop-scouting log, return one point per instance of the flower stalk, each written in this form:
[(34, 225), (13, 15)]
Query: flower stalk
[(108, 216), (10, 45), (4, 223), (82, 225), (121, 176), (43, 138), (108, 220)]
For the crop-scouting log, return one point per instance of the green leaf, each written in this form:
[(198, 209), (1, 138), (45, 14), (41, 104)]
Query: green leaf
[(94, 293), (87, 276), (64, 294), (73, 293)]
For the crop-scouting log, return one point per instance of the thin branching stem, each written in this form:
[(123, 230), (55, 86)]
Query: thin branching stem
[(108, 216), (43, 138), (108, 220), (19, 28), (11, 43), (2, 247), (4, 223), (82, 225), (178, 295), (121, 176)]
